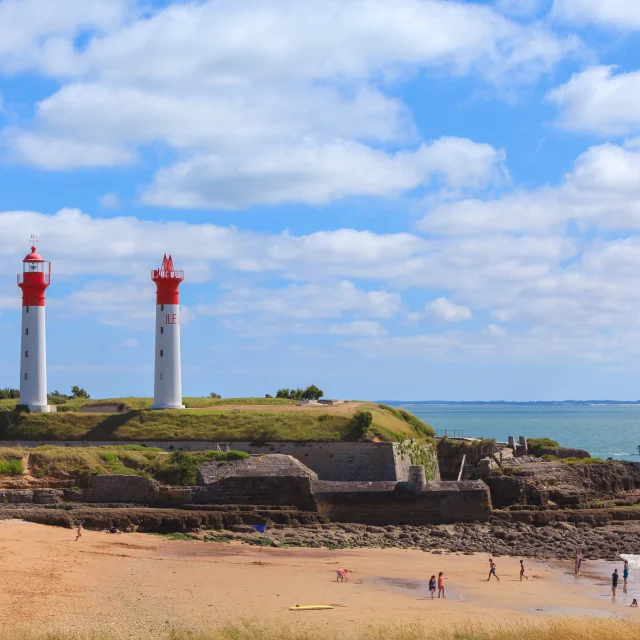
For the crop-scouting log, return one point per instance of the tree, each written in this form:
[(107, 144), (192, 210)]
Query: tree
[(360, 424), (77, 392), (9, 394), (55, 397), (215, 395), (312, 393)]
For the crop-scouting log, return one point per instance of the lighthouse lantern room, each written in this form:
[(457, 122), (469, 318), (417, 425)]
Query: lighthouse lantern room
[(33, 281), (167, 385)]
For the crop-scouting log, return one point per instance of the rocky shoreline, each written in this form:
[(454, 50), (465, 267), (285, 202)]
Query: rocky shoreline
[(557, 541), (594, 533)]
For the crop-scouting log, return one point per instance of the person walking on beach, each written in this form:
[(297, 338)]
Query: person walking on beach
[(492, 570), (625, 574), (432, 586), (614, 582), (522, 571), (579, 559), (441, 584), (79, 531)]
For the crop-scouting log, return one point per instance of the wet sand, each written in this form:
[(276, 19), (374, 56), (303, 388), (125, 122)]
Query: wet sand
[(142, 585)]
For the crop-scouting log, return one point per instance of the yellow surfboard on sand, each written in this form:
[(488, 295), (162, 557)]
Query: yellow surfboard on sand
[(310, 607)]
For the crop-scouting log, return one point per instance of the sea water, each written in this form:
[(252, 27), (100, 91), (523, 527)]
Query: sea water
[(605, 431)]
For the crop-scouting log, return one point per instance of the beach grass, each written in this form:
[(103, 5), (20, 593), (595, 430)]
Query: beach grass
[(585, 628)]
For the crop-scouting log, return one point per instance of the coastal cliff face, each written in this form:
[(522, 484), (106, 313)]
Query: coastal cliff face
[(549, 484)]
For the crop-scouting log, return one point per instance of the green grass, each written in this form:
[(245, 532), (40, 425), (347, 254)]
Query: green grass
[(214, 423), (574, 461), (80, 463), (12, 466)]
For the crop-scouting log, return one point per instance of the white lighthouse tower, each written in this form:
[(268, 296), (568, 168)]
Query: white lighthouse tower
[(33, 281), (167, 383)]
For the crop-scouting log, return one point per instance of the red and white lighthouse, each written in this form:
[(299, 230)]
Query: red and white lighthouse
[(33, 281), (167, 384)]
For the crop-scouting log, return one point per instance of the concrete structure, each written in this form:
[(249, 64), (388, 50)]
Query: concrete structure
[(33, 281), (167, 382)]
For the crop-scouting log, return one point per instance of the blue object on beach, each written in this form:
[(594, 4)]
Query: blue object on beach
[(260, 528)]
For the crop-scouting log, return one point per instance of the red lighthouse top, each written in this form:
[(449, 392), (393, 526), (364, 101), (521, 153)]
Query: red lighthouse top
[(34, 279), (167, 281)]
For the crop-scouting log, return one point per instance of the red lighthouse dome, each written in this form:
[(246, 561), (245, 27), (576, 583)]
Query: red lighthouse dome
[(34, 279)]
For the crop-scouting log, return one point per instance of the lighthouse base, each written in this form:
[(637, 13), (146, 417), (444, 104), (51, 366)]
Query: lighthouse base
[(167, 406), (42, 408)]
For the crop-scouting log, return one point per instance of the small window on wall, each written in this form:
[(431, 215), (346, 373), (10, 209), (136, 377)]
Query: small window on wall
[(161, 307), (26, 354), (25, 376), (26, 309), (161, 375), (26, 332), (161, 353), (161, 329)]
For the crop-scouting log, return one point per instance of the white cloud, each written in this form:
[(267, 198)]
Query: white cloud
[(309, 301), (622, 14), (357, 328), (447, 311), (130, 343), (599, 101), (602, 191), (495, 330), (110, 201), (39, 34), (321, 173), (285, 100), (56, 153)]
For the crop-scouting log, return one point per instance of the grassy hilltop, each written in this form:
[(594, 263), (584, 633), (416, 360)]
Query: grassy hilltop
[(229, 419)]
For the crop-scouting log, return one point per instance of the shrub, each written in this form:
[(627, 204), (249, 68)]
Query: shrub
[(360, 424), (12, 466), (536, 445), (181, 467), (9, 394)]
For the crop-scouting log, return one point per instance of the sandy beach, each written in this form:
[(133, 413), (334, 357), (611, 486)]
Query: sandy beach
[(141, 585)]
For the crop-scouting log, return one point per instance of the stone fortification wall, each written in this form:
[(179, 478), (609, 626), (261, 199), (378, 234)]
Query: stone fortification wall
[(121, 488), (338, 461), (383, 503)]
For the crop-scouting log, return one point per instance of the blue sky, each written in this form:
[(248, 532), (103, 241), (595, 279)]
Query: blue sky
[(402, 200)]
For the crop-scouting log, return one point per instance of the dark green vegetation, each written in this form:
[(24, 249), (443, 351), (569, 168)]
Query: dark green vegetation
[(310, 393), (181, 467), (536, 445), (80, 463), (228, 420)]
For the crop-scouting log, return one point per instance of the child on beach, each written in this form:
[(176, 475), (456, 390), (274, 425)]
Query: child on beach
[(441, 584), (522, 571), (432, 586), (579, 559), (492, 570), (625, 573), (634, 603), (614, 582), (79, 531), (341, 575)]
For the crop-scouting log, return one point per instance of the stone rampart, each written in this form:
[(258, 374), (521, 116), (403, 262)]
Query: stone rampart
[(384, 503), (337, 461)]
